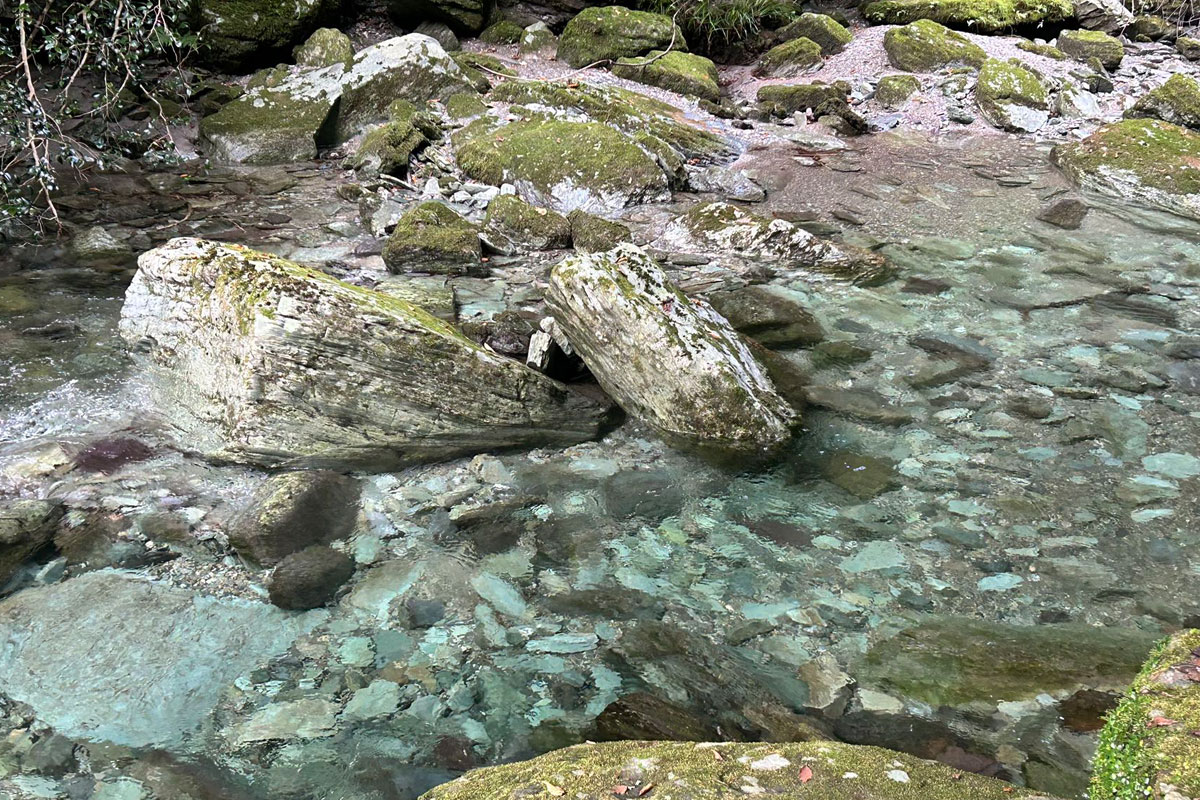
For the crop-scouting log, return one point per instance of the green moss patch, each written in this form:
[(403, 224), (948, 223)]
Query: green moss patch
[(1177, 101), (893, 91), (527, 226), (1046, 50), (823, 29), (502, 32), (592, 234), (677, 72), (326, 47), (789, 59), (927, 46), (977, 16), (433, 238), (783, 100), (1151, 152), (611, 32), (1086, 45)]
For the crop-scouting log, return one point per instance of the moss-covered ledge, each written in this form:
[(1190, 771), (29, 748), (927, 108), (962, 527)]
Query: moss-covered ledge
[(689, 771), (1150, 745)]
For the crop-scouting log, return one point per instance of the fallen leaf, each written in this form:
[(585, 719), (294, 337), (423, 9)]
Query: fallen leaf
[(805, 774), (718, 755), (555, 791), (620, 788), (1160, 722)]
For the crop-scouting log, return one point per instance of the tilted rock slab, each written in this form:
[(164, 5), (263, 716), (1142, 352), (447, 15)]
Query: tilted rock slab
[(258, 360), (665, 358)]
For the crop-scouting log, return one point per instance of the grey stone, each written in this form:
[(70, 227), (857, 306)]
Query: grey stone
[(309, 578)]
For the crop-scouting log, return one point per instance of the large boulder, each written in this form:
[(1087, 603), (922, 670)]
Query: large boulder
[(1012, 97), (789, 59), (823, 29), (289, 120), (927, 46), (433, 237), (611, 32), (565, 165), (1138, 161), (785, 99), (732, 231), (1086, 45), (235, 34), (978, 17), (818, 769), (111, 657), (666, 359), (1109, 16), (310, 578), (684, 73), (1177, 101), (258, 360), (1149, 747), (326, 47), (292, 511)]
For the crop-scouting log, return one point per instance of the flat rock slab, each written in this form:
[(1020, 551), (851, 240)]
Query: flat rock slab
[(111, 657)]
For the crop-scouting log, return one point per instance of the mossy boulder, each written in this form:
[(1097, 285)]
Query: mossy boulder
[(607, 33), (1139, 161), (236, 34), (1041, 49), (538, 39), (785, 99), (593, 234), (1148, 746), (728, 229), (1086, 45), (1177, 101), (388, 149), (1149, 28), (823, 29), (1188, 47), (666, 359), (624, 110), (464, 105), (1012, 97), (927, 46), (960, 660), (893, 91), (326, 47), (462, 16), (432, 237), (977, 16), (527, 227), (257, 360), (789, 59), (503, 32), (822, 770), (564, 165), (683, 73)]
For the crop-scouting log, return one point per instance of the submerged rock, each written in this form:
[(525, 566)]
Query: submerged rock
[(1177, 101), (111, 657), (665, 358), (612, 32), (727, 229), (1140, 161), (990, 17), (926, 46), (1011, 97), (262, 361), (770, 314), (821, 769), (26, 526), (292, 511), (309, 578)]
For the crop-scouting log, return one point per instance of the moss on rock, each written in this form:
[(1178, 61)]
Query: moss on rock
[(1040, 49), (612, 32), (433, 238), (503, 32), (527, 226), (683, 73), (235, 34), (538, 38), (1148, 747), (1188, 47), (387, 149), (977, 16), (835, 771), (783, 100), (1086, 45), (593, 234), (1012, 97), (823, 29), (1148, 161), (893, 91), (326, 47), (464, 105), (1177, 101), (927, 46), (789, 59)]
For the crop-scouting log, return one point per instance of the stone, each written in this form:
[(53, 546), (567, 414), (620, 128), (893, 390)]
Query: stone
[(1177, 101), (1109, 16), (538, 39), (828, 33), (641, 716), (236, 35), (292, 511), (1067, 214), (771, 314), (1076, 102), (292, 119), (682, 73), (111, 657), (674, 363), (593, 234), (527, 227), (789, 59), (1086, 45), (608, 33), (432, 237), (503, 31), (309, 578), (958, 660), (1138, 161), (885, 557), (724, 228), (894, 91), (1011, 97), (785, 99), (565, 165), (26, 527), (689, 769), (465, 105), (1147, 746), (441, 33), (1149, 28), (96, 247), (463, 16), (926, 46), (280, 365), (1188, 47), (308, 718), (326, 47), (989, 17), (380, 698), (388, 149)]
